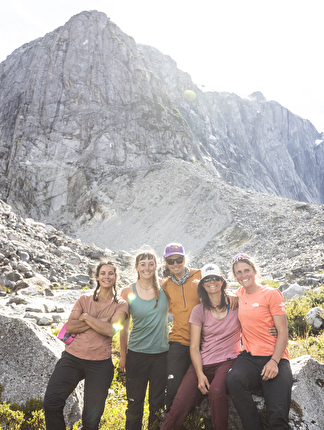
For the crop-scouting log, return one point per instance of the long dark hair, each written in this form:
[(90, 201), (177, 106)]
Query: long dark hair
[(96, 274), (205, 297), (146, 255)]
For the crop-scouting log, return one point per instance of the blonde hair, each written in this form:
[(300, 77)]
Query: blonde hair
[(243, 258), (148, 255)]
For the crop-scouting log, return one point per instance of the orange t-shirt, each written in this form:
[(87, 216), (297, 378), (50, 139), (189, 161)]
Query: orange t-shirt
[(255, 315)]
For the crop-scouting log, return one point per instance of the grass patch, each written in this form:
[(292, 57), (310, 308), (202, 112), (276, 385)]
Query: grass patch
[(311, 345), (273, 284)]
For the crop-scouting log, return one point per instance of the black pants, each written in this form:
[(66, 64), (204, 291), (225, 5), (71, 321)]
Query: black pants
[(142, 368), (244, 376), (178, 363), (68, 371)]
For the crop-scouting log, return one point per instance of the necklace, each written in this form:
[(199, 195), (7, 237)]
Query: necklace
[(143, 287), (216, 311)]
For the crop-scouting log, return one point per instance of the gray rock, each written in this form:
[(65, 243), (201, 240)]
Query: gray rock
[(32, 317), (45, 320), (14, 276), (56, 319), (79, 278), (28, 355), (19, 300), (283, 287), (35, 309), (315, 317), (307, 391), (24, 267), (294, 290), (24, 256)]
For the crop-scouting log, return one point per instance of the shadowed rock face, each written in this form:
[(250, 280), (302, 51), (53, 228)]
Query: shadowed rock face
[(253, 143), (79, 103)]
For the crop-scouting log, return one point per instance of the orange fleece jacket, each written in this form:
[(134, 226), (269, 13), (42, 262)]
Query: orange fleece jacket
[(182, 299)]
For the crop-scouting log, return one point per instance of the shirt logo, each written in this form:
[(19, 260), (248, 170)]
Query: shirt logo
[(255, 305)]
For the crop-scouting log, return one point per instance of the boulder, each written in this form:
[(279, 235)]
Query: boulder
[(294, 290), (28, 355), (307, 394), (315, 317)]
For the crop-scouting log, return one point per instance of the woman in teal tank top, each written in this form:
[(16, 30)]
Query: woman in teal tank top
[(144, 354)]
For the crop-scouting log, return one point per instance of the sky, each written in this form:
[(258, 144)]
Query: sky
[(238, 46)]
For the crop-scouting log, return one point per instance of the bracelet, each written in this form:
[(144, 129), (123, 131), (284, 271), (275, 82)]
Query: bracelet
[(274, 361)]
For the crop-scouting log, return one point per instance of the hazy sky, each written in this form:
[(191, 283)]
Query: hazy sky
[(239, 46)]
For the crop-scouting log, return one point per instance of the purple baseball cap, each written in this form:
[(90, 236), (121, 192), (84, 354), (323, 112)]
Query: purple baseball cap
[(173, 249)]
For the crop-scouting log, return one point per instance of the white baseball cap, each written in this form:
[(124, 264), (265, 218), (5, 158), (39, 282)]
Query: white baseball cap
[(209, 270)]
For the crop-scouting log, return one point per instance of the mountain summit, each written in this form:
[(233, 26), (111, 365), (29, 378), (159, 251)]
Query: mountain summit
[(88, 118)]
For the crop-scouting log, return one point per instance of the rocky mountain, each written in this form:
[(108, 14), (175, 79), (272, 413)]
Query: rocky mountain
[(108, 141), (251, 142)]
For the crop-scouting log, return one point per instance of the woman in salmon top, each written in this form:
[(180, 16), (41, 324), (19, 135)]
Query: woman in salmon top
[(264, 361)]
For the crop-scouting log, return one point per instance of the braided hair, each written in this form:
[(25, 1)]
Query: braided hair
[(96, 272)]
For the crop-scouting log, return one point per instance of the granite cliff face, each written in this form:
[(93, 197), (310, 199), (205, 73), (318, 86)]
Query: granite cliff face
[(77, 104), (252, 143), (111, 142)]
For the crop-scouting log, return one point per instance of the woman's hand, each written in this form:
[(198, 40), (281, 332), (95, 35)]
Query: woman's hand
[(273, 331), (122, 363), (270, 370), (233, 300), (203, 384)]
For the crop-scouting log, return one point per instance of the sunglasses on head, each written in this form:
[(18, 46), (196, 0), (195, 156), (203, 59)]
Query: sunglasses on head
[(241, 257), (171, 261), (212, 278)]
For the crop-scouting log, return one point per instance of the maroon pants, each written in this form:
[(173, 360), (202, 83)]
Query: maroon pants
[(188, 396)]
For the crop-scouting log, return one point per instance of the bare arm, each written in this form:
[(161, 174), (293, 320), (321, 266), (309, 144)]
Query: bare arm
[(233, 299), (195, 332), (270, 370), (103, 326), (123, 335), (74, 324)]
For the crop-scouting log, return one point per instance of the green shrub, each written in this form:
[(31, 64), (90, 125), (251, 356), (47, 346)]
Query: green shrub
[(310, 345), (297, 308), (10, 419), (28, 416)]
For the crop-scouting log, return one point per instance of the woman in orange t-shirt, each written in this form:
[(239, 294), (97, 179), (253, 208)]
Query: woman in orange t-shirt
[(264, 361)]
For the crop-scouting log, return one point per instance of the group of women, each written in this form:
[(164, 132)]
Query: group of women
[(202, 355)]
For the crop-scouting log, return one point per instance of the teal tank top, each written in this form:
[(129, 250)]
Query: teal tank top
[(150, 333)]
